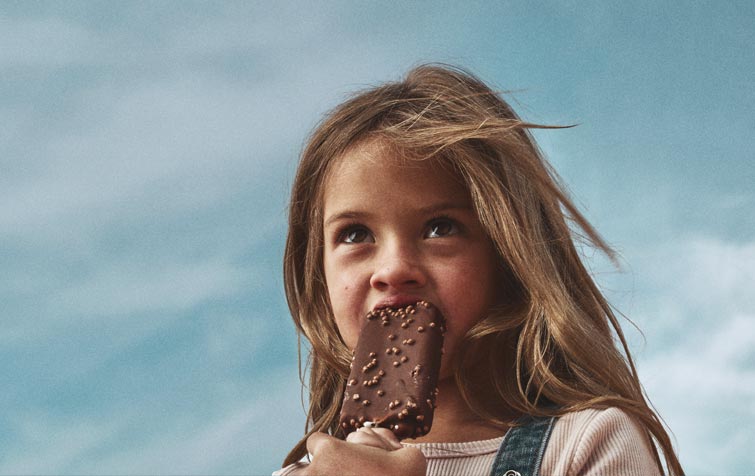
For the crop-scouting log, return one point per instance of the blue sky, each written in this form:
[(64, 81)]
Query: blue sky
[(147, 149)]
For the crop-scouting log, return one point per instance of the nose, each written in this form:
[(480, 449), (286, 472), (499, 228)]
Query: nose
[(398, 267)]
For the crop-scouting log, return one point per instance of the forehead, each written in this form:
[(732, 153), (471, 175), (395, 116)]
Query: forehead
[(377, 175)]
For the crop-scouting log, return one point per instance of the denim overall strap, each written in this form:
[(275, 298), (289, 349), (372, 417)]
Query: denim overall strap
[(522, 449)]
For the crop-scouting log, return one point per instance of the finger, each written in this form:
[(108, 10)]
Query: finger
[(389, 437), (368, 437)]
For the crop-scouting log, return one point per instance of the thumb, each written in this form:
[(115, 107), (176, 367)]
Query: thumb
[(388, 436)]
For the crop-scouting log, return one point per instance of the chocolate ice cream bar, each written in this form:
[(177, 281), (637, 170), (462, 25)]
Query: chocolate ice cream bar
[(394, 371)]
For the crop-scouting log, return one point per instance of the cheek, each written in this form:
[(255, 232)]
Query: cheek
[(341, 290), (344, 301), (349, 329), (469, 296)]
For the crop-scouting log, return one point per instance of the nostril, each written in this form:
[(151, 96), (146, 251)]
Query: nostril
[(398, 275)]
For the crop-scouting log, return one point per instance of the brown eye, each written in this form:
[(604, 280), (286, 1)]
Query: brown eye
[(356, 235), (441, 227)]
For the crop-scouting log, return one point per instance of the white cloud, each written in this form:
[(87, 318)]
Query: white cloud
[(705, 389), (695, 282), (699, 368)]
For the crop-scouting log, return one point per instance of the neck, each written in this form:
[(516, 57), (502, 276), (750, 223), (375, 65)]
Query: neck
[(454, 421)]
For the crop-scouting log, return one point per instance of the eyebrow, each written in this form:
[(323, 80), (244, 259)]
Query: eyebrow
[(348, 215), (429, 210)]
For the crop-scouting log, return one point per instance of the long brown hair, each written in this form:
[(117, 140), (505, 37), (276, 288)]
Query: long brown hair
[(557, 345)]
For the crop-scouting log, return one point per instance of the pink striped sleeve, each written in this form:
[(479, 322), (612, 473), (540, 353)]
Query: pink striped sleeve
[(599, 443)]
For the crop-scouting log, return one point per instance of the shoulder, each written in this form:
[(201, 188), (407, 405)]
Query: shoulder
[(599, 441)]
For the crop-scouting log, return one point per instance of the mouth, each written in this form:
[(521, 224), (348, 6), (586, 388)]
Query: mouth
[(395, 302)]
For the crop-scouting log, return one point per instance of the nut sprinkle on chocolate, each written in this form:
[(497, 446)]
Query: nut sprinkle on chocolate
[(419, 328)]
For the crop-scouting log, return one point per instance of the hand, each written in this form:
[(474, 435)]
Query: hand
[(376, 437), (367, 452)]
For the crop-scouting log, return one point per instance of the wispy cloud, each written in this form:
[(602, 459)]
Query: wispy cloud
[(128, 288), (696, 277), (699, 368), (46, 443), (238, 439), (193, 136), (238, 436)]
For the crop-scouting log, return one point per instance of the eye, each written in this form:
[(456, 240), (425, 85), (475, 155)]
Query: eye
[(441, 227), (355, 234)]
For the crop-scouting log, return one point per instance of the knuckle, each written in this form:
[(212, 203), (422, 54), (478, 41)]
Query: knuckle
[(327, 445), (319, 443)]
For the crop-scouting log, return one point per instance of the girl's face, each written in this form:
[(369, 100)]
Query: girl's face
[(396, 233)]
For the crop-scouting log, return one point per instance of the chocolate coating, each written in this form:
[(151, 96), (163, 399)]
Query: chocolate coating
[(395, 371)]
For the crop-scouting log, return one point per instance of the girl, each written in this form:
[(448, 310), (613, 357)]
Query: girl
[(433, 189)]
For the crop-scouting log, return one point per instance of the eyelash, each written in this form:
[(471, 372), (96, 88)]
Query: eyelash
[(349, 228)]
